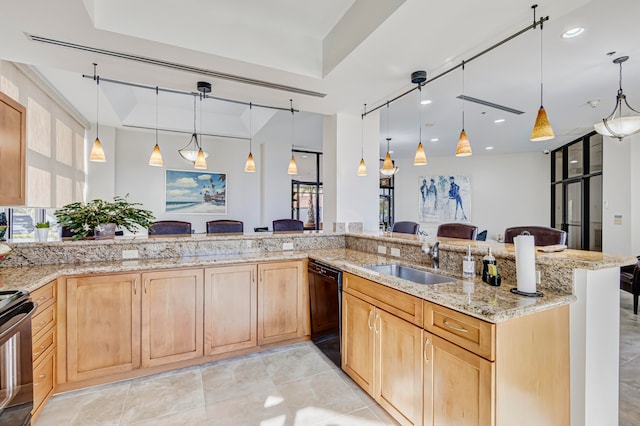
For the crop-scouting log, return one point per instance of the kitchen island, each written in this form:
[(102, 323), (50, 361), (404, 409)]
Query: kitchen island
[(567, 274)]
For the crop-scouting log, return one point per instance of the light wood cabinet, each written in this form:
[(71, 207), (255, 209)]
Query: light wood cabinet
[(383, 353), (13, 125), (283, 301), (230, 308), (103, 325), (43, 329), (172, 316)]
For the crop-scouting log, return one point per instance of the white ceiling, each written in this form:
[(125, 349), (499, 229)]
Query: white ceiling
[(355, 51)]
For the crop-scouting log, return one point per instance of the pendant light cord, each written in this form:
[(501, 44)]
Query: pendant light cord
[(463, 101), (250, 126), (292, 124), (541, 64), (362, 132), (156, 115), (420, 114), (97, 78)]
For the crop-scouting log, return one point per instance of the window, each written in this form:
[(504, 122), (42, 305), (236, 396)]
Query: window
[(576, 192), (386, 215), (306, 190)]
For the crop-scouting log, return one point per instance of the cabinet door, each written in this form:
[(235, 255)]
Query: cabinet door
[(398, 367), (172, 320), (13, 125), (230, 308), (461, 390), (283, 302), (103, 325), (357, 340)]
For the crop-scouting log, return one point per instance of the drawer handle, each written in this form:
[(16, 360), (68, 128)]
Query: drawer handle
[(369, 319), (453, 327), (42, 348), (41, 377), (375, 321), (41, 298), (40, 325), (424, 352), (135, 285)]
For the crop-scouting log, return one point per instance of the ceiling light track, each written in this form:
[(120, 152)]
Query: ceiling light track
[(186, 132), (490, 104), (534, 25), (183, 92), (176, 66)]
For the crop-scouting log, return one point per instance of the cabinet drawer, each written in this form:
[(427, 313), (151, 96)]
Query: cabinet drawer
[(43, 380), (42, 320), (468, 332), (44, 296), (42, 345), (402, 305)]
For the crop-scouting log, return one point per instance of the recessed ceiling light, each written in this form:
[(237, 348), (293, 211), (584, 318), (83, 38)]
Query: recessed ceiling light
[(391, 152), (426, 102), (305, 156), (574, 161), (499, 120), (488, 148), (573, 32), (434, 139)]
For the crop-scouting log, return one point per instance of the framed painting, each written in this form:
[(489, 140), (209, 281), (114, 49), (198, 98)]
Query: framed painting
[(444, 198), (198, 192)]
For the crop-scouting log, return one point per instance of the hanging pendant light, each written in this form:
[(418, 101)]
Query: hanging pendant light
[(293, 167), (615, 125), (542, 130), (362, 167), (420, 159), (388, 168), (201, 162), (192, 149), (97, 153), (464, 147), (250, 165), (156, 155)]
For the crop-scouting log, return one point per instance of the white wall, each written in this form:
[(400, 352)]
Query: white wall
[(276, 183), (507, 190)]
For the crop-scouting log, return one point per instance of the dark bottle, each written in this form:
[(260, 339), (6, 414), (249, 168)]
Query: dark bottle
[(486, 260)]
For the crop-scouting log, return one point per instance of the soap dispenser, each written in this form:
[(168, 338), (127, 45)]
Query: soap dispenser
[(468, 265), (487, 260)]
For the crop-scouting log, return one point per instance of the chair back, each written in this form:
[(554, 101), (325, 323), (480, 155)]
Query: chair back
[(170, 227), (287, 225), (406, 227), (225, 227), (457, 230), (543, 236)]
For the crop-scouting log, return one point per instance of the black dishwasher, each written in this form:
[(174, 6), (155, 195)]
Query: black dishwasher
[(325, 297)]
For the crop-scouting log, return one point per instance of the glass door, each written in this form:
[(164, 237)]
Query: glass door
[(573, 214)]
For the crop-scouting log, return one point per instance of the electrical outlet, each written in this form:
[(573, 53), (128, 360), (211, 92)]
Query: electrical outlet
[(249, 243), (129, 254), (395, 252), (287, 246), (382, 249)]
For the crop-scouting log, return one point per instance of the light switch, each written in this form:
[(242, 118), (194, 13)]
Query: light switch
[(617, 219)]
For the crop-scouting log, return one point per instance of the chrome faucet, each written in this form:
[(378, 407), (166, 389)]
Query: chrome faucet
[(433, 253)]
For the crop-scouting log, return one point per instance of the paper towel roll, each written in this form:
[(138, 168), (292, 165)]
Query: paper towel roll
[(525, 263)]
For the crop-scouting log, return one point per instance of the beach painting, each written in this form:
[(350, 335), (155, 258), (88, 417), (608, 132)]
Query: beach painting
[(195, 192), (444, 198)]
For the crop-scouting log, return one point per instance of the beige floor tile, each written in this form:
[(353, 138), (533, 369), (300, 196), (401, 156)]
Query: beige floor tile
[(101, 406), (295, 363), (363, 417), (252, 409), (318, 398), (192, 417), (164, 394), (233, 379)]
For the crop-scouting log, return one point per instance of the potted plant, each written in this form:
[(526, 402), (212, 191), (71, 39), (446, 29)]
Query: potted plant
[(42, 231), (100, 218)]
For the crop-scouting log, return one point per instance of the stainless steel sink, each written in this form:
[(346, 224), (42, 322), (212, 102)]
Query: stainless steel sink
[(410, 274)]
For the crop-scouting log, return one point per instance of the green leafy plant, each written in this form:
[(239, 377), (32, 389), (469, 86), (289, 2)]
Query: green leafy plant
[(83, 218), (42, 225)]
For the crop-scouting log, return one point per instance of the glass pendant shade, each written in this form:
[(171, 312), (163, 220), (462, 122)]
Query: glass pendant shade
[(464, 147), (201, 162), (190, 151), (97, 153), (620, 127), (293, 167), (250, 165), (156, 157), (420, 158), (388, 169), (362, 168), (542, 130)]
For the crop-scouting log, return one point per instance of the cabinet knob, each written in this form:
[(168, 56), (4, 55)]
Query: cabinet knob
[(41, 377)]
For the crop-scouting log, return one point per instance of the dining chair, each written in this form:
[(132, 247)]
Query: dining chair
[(287, 225), (457, 230), (406, 227), (225, 227), (542, 235), (170, 227)]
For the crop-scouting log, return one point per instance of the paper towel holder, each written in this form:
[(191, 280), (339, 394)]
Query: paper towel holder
[(524, 293)]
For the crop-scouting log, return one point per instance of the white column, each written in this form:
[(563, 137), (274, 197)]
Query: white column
[(347, 196), (595, 343)]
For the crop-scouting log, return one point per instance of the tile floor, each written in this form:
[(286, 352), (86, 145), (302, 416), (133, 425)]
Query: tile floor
[(295, 385)]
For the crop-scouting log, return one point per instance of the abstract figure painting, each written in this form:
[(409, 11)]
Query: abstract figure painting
[(195, 192), (444, 198)]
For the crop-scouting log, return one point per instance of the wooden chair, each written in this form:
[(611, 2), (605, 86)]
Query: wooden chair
[(457, 230), (543, 236), (287, 225), (225, 227), (170, 227)]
